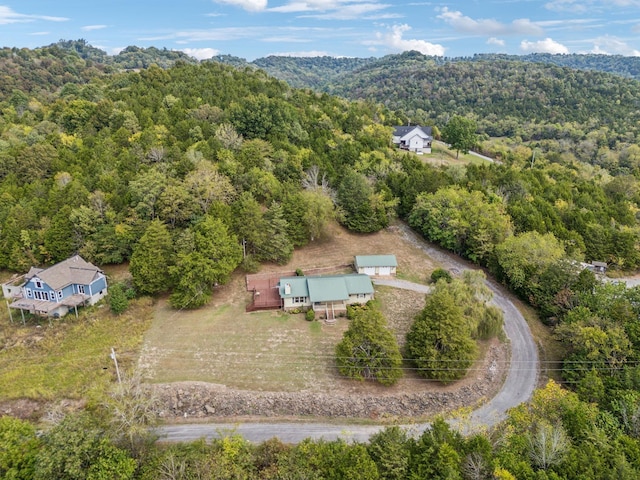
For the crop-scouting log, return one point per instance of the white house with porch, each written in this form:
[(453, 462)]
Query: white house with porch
[(55, 290), (327, 295), (414, 138)]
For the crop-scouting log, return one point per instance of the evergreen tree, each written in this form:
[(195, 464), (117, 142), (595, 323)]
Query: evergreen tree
[(150, 260), (277, 246), (118, 301), (369, 350), (59, 237), (355, 197), (439, 341), (207, 256), (249, 223)]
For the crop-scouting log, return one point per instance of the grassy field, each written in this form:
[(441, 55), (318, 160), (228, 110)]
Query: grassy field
[(222, 344), (70, 358), (442, 155)]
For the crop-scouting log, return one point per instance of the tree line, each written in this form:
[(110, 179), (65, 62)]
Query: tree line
[(555, 436)]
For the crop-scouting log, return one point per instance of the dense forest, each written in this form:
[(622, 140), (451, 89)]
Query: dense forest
[(173, 169), (548, 105)]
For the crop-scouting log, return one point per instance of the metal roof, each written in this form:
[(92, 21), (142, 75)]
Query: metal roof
[(376, 261), (298, 287), (326, 288)]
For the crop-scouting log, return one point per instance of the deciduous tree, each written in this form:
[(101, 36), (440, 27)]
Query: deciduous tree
[(460, 133)]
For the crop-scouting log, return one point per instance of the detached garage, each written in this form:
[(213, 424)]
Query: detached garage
[(376, 265)]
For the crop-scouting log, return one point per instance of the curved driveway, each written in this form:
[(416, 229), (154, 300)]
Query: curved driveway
[(517, 388)]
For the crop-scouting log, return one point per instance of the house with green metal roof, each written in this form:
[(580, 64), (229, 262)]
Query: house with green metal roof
[(376, 265), (328, 295)]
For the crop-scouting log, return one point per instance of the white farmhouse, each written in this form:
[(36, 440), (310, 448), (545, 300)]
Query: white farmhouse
[(414, 138)]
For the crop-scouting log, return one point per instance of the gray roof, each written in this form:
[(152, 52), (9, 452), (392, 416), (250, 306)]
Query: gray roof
[(402, 130), (74, 270), (376, 261), (326, 288)]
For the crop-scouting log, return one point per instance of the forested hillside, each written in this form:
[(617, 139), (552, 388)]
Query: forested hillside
[(591, 114), (176, 169)]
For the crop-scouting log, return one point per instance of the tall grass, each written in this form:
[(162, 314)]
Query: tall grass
[(70, 358)]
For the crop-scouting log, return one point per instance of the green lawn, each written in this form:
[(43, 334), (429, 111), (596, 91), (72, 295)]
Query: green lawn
[(253, 351), (442, 155)]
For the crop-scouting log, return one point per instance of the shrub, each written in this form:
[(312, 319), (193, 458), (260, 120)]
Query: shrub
[(249, 264), (299, 272), (439, 273), (118, 301), (310, 315)]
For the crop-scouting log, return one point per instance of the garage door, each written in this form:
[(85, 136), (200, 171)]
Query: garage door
[(385, 271), (370, 270)]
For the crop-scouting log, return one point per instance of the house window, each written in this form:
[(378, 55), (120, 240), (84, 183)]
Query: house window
[(52, 296), (361, 295), (37, 295), (81, 289), (38, 284), (28, 292), (60, 294)]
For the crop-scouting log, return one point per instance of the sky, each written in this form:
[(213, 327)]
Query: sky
[(252, 29)]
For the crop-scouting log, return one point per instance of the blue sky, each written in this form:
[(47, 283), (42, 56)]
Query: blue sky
[(351, 28)]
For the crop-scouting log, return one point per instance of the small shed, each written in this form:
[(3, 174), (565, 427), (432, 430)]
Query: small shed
[(599, 267), (376, 265)]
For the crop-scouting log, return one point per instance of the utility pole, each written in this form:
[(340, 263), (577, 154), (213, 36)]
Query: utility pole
[(115, 360)]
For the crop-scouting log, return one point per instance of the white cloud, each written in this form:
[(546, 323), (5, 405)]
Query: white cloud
[(352, 11), (337, 9), (566, 6), (580, 6), (543, 46), (35, 34), (8, 16), (200, 53), (608, 45), (394, 40), (487, 26), (211, 35), (495, 41), (91, 28), (248, 5)]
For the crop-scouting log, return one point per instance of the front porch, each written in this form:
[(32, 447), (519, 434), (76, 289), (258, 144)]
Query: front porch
[(46, 308)]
